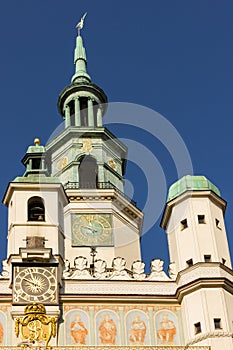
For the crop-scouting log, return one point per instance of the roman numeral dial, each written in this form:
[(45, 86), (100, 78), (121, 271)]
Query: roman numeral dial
[(35, 283)]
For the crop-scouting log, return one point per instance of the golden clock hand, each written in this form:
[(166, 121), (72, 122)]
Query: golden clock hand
[(30, 272), (34, 282), (30, 281)]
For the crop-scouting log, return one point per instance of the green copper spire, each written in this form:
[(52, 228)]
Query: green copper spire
[(82, 103), (80, 59)]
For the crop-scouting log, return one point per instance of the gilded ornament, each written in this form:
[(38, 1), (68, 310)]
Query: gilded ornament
[(62, 163), (87, 146), (112, 164), (37, 141), (36, 328)]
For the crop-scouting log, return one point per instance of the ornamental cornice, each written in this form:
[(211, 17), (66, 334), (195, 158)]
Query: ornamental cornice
[(120, 288), (203, 271), (215, 334)]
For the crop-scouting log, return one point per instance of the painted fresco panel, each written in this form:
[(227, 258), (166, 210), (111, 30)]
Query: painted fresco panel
[(107, 328), (77, 328), (121, 324), (137, 329), (166, 328)]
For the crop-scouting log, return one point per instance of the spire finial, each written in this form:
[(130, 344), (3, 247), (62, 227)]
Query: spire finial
[(81, 23), (80, 59), (37, 141)]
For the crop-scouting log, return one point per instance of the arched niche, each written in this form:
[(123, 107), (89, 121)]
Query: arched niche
[(36, 209), (88, 172)]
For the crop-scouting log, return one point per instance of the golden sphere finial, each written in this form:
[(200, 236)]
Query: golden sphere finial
[(37, 141)]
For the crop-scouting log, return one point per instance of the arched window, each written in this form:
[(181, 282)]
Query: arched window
[(88, 172), (36, 210)]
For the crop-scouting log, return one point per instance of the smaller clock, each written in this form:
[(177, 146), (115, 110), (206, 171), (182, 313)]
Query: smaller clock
[(35, 283), (92, 230)]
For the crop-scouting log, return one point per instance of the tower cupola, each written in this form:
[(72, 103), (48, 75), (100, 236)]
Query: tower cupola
[(194, 222), (83, 103), (34, 159)]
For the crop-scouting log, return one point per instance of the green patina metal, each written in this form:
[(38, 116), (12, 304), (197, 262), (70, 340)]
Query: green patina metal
[(80, 61), (37, 179), (35, 163), (36, 149), (191, 183)]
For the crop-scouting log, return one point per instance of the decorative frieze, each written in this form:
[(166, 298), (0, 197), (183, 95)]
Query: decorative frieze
[(118, 271)]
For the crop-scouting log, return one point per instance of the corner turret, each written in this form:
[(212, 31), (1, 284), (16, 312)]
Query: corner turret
[(194, 221)]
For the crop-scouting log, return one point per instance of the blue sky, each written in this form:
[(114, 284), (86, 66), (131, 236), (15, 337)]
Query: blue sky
[(174, 57)]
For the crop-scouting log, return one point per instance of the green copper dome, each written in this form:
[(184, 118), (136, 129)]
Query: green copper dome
[(191, 183)]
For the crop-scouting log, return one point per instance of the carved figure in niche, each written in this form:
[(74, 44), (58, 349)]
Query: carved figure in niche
[(1, 333), (167, 330), (107, 331), (137, 331), (78, 331)]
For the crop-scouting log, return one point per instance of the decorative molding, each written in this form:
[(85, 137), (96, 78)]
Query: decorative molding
[(138, 268), (87, 146), (157, 273), (172, 271), (134, 281), (202, 270), (5, 270), (120, 288), (215, 334), (118, 271)]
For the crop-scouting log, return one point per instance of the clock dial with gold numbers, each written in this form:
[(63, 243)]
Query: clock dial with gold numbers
[(92, 230), (35, 283)]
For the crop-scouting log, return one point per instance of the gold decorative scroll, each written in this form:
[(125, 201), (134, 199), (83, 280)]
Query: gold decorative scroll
[(87, 146), (36, 328)]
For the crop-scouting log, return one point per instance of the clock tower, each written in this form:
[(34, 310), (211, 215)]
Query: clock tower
[(90, 163), (73, 274), (70, 204)]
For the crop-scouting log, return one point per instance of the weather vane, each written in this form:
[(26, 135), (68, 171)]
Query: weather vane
[(81, 23)]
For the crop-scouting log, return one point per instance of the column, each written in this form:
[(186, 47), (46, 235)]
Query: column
[(101, 177), (67, 116), (99, 116), (123, 340), (90, 112), (151, 324), (77, 112), (92, 325), (29, 165)]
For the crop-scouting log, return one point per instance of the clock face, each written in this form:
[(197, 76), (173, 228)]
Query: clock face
[(92, 230), (35, 283)]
